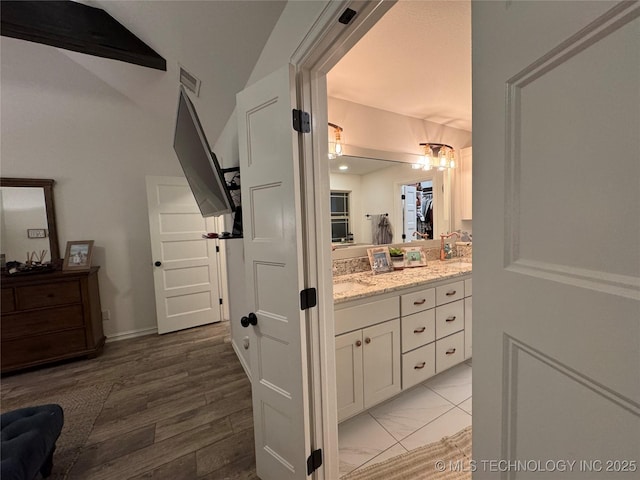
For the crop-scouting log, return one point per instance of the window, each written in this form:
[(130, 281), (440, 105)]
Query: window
[(340, 230)]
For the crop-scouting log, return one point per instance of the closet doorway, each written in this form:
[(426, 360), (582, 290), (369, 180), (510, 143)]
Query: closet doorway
[(417, 210)]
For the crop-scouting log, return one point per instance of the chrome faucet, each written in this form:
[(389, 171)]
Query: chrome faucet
[(442, 237)]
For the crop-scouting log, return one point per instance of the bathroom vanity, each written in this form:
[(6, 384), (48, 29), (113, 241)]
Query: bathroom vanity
[(397, 329)]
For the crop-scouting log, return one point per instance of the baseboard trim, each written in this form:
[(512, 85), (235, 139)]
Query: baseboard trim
[(116, 337), (245, 367)]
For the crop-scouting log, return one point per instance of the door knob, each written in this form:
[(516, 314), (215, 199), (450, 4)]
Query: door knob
[(250, 319), (157, 264)]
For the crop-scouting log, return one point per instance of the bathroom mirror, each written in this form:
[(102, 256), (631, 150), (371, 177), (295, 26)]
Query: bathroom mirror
[(27, 219), (363, 187)]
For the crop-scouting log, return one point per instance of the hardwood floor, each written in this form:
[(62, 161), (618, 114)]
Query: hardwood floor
[(179, 408)]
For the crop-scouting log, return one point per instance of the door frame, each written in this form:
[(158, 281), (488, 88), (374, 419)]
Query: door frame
[(325, 44)]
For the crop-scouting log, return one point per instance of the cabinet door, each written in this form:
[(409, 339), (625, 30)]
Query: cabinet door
[(381, 359), (468, 310), (349, 374)]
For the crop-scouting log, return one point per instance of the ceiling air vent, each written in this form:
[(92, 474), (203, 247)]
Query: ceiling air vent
[(189, 81)]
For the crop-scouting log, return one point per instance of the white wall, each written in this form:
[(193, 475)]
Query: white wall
[(60, 121)]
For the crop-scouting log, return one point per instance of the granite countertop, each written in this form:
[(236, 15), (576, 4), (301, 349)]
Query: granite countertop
[(365, 284)]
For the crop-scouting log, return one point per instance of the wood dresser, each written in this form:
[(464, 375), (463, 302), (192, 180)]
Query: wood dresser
[(48, 317)]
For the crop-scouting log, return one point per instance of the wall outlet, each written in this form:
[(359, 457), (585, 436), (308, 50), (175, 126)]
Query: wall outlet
[(106, 315)]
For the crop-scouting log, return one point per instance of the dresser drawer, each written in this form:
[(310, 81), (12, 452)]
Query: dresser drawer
[(361, 316), (449, 351), (468, 287), (48, 295), (41, 321), (52, 346), (449, 318), (418, 301), (8, 303), (418, 365), (418, 329), (450, 292)]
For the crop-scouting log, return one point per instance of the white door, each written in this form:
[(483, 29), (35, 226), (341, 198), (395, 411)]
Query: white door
[(185, 274), (272, 217), (556, 261), (409, 212)]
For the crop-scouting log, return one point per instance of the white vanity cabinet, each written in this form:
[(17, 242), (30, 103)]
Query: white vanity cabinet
[(468, 317), (388, 345), (367, 359)]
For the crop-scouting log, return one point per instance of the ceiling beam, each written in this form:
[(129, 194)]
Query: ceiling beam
[(74, 26)]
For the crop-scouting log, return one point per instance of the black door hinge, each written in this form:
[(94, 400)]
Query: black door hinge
[(402, 197), (301, 121), (217, 249), (314, 461), (308, 298), (404, 237), (220, 301)]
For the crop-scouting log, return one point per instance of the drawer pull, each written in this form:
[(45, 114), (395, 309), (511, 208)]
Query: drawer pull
[(420, 330), (420, 366), (367, 340), (358, 343), (420, 302), (450, 293), (451, 351), (450, 319)]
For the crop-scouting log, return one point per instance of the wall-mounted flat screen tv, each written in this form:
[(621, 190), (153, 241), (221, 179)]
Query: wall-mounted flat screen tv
[(199, 163)]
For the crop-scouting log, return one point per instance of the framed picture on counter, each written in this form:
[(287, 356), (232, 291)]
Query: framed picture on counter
[(414, 257), (78, 255), (380, 260)]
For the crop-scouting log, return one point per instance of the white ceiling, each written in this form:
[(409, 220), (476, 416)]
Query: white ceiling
[(416, 61)]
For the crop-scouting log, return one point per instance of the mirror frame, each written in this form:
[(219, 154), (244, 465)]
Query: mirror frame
[(47, 187)]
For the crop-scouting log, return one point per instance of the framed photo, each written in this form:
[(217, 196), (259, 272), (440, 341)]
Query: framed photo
[(380, 260), (414, 257), (78, 255), (36, 233)]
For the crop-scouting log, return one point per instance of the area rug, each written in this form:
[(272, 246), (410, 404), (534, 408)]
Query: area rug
[(81, 408), (447, 459)]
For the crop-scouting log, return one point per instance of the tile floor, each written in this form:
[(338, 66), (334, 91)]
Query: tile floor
[(436, 408)]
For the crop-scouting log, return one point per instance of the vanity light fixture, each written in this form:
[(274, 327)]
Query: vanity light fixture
[(343, 167), (335, 141), (436, 155)]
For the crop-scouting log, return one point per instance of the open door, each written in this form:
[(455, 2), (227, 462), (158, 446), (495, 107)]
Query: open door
[(275, 323), (556, 264), (409, 212)]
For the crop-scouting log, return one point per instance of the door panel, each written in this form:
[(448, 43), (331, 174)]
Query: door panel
[(410, 211), (272, 242), (557, 304), (186, 281)]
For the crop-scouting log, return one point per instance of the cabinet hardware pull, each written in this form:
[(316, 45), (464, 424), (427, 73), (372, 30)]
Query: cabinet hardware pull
[(358, 343), (367, 340), (452, 292), (420, 302), (420, 366), (450, 319), (451, 351), (420, 330)]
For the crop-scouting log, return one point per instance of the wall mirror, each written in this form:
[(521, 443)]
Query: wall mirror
[(365, 183), (27, 219)]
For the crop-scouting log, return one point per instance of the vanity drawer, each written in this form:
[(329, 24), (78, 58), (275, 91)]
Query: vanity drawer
[(450, 292), (449, 318), (468, 287), (418, 365), (418, 301), (449, 351), (48, 295), (361, 316), (418, 329)]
